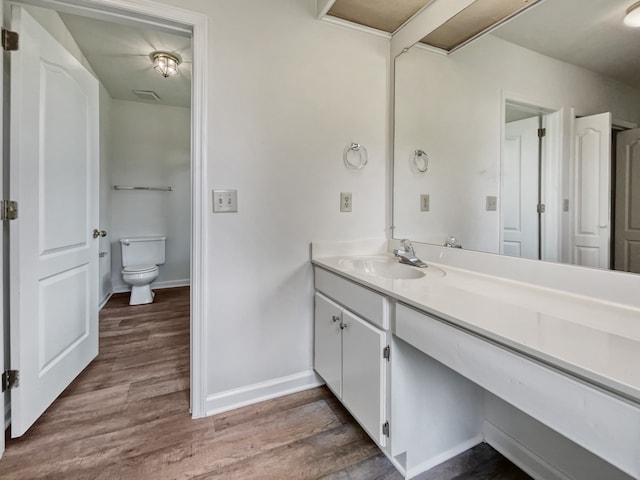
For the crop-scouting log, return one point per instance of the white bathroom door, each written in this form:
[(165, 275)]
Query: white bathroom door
[(520, 181), (591, 222), (54, 257), (627, 226)]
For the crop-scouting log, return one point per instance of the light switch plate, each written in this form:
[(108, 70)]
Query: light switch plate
[(345, 201), (492, 204), (225, 201), (424, 202)]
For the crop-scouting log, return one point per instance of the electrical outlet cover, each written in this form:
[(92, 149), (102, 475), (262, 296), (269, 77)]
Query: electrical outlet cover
[(424, 202), (345, 202)]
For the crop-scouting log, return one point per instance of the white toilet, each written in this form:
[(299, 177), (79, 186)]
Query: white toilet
[(140, 259)]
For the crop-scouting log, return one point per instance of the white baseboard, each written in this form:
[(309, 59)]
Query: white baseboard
[(121, 289), (524, 458), (105, 300), (443, 457), (259, 392), (155, 285), (396, 463)]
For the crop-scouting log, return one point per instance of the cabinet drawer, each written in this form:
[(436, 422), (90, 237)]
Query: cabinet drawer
[(368, 304)]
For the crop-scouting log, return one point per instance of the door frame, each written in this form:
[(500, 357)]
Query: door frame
[(552, 169), (185, 22), (5, 317)]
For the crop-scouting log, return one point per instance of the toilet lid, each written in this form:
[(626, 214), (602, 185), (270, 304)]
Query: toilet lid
[(139, 268)]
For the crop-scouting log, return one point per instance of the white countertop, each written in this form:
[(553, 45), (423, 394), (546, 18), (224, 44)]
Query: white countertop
[(594, 340)]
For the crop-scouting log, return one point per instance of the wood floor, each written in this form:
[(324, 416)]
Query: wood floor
[(126, 417)]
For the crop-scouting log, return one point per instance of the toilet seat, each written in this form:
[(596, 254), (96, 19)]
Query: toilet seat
[(140, 269)]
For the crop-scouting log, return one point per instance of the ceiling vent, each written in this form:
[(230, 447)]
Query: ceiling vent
[(148, 95)]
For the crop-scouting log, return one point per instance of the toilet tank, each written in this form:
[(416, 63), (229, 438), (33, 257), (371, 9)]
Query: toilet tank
[(142, 250)]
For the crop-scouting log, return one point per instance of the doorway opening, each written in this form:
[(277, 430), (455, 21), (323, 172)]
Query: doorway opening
[(191, 167), (530, 183), (625, 199), (605, 203)]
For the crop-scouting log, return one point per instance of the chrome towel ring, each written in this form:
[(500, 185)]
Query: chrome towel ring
[(355, 156), (419, 162)]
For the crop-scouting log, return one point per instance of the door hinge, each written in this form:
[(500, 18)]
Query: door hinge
[(9, 40), (541, 208), (10, 379), (8, 210), (386, 353), (542, 132), (385, 429)]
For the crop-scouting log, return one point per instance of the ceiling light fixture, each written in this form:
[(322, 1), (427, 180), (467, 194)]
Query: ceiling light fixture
[(632, 18), (166, 63)]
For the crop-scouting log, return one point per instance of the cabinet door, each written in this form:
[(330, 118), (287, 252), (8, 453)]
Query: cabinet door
[(364, 374), (328, 343)]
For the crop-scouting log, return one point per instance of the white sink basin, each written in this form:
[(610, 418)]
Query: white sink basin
[(387, 267)]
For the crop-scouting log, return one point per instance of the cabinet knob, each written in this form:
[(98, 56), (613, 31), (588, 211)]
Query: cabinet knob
[(343, 326), (336, 318)]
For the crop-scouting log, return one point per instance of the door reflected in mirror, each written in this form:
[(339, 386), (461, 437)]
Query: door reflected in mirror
[(530, 154), (522, 184)]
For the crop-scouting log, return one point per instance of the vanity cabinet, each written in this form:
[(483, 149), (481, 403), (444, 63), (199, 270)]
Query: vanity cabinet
[(350, 354), (546, 410), (328, 343), (468, 367), (364, 373)]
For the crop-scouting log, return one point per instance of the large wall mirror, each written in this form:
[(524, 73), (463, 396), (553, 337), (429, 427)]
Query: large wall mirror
[(525, 141)]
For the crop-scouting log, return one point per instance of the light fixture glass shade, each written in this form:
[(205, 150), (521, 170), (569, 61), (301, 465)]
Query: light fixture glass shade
[(165, 63), (632, 18)]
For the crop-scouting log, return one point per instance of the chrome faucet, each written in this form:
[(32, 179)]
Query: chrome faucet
[(408, 255)]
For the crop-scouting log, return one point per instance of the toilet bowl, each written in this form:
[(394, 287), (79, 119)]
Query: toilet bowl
[(140, 259), (140, 278)]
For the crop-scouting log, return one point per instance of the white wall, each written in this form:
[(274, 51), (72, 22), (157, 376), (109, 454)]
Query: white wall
[(150, 146), (287, 94), (451, 107)]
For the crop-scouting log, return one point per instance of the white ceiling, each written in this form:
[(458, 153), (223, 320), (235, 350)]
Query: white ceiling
[(119, 55), (587, 33)]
